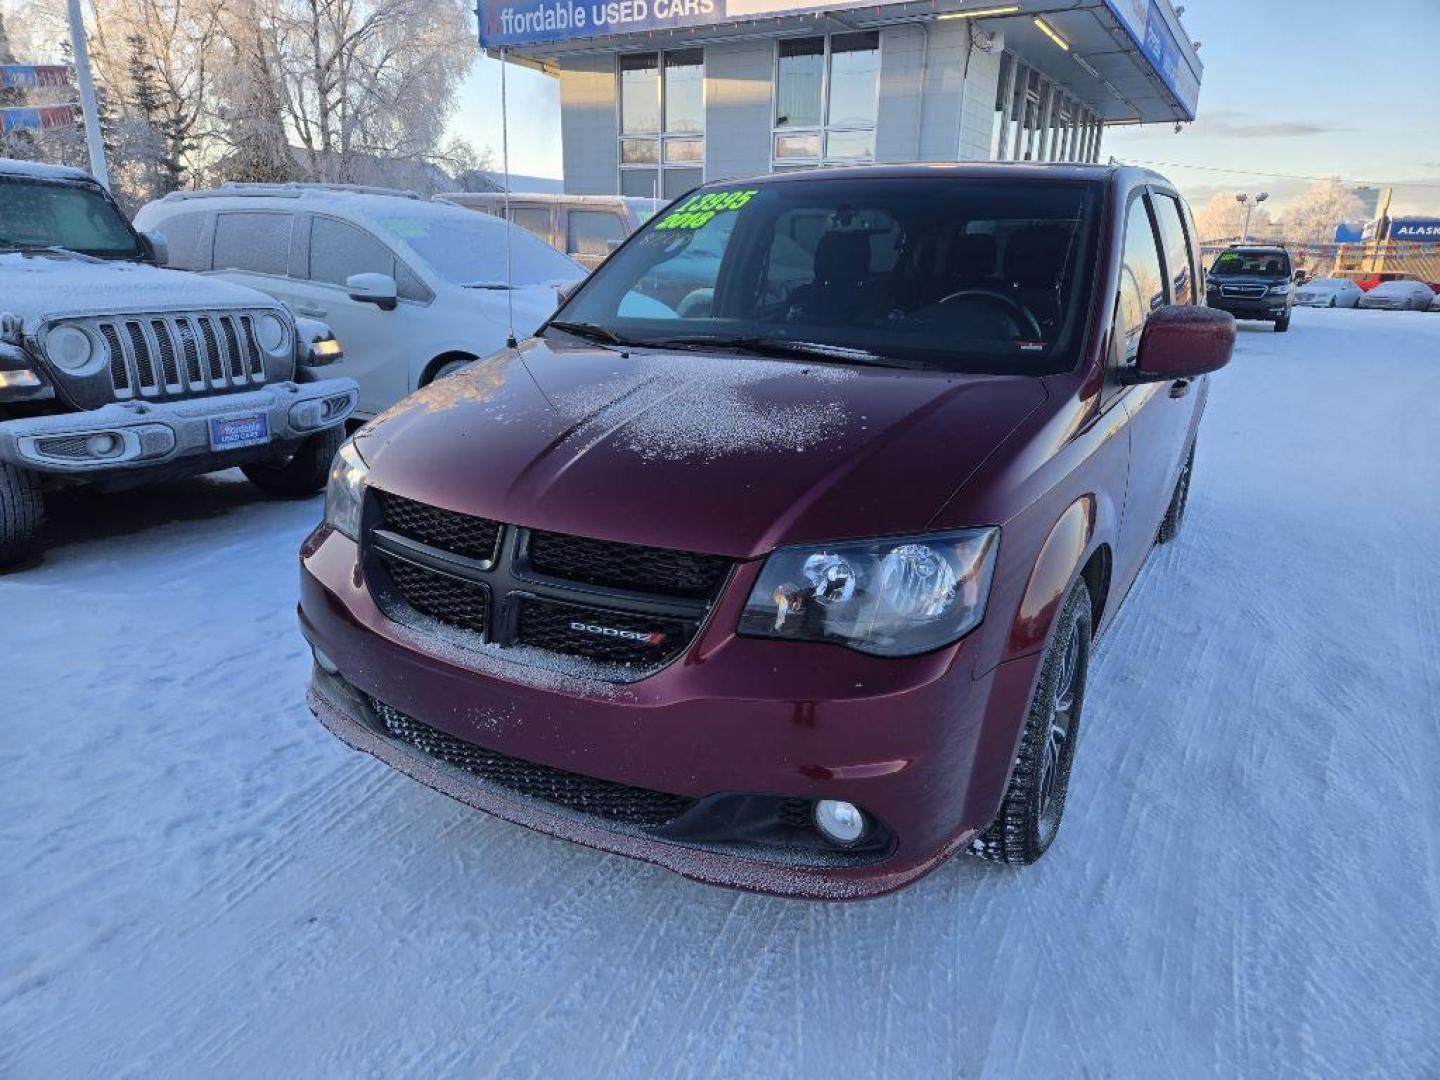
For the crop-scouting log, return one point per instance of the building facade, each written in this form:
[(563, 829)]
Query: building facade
[(659, 95)]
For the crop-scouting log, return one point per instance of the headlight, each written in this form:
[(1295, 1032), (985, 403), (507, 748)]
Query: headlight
[(274, 335), (72, 349), (1281, 289), (345, 493), (892, 597)]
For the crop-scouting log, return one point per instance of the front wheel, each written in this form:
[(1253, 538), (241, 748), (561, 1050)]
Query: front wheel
[(1034, 802), (1175, 512), (22, 512), (1283, 323), (306, 471)]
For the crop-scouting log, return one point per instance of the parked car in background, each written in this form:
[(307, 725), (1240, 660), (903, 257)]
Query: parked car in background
[(1328, 292), (1434, 302), (585, 227), (1253, 282), (417, 289), (790, 584), (1399, 295), (114, 372)]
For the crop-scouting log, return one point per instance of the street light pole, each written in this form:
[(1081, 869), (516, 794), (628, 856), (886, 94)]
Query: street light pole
[(1249, 203), (89, 110)]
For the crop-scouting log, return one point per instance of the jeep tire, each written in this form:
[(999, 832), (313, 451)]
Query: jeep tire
[(306, 471), (22, 512)]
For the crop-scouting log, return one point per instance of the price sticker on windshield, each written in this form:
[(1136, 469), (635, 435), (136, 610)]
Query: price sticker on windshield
[(699, 211)]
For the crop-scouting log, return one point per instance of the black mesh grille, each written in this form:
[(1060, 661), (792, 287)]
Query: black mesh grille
[(607, 637), (586, 794), (232, 346), (626, 566), (440, 596), (475, 538), (168, 363), (212, 350), (190, 350), (118, 372)]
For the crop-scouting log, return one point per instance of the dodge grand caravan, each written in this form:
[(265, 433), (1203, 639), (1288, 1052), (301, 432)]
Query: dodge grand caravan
[(788, 583)]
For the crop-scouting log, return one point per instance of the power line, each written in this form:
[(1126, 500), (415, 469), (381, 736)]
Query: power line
[(1276, 176)]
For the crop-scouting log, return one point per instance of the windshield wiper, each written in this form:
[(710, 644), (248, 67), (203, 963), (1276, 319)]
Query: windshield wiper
[(48, 249), (766, 346), (590, 332)]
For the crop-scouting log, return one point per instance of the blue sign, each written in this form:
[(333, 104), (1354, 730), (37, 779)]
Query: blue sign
[(528, 22), (1146, 23), (1426, 230)]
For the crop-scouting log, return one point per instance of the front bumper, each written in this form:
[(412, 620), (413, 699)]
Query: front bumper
[(157, 433), (1244, 307), (923, 745)]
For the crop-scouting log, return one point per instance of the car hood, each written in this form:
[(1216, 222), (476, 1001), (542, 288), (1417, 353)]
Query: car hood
[(38, 287), (717, 453)]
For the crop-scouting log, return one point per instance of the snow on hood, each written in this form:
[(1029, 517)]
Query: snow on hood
[(732, 455), (37, 287)]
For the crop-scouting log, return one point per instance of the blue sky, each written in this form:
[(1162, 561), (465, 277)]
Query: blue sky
[(1300, 87)]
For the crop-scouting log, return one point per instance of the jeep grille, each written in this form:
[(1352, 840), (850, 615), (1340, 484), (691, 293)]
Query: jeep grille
[(172, 356)]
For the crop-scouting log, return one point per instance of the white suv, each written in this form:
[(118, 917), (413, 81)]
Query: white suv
[(413, 288)]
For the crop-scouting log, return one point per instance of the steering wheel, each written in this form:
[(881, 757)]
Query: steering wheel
[(1011, 305)]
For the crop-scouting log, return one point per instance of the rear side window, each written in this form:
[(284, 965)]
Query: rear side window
[(255, 242), (1177, 251), (339, 250), (182, 237), (1142, 287), (535, 219), (593, 232)]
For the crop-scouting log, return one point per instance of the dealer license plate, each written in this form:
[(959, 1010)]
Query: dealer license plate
[(228, 432)]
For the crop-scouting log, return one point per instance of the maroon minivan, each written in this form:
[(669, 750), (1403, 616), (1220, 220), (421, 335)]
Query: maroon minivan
[(776, 557)]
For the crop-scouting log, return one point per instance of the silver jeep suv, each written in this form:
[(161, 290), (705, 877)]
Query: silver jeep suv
[(114, 371)]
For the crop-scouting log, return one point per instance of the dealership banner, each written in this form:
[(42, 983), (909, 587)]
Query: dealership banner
[(34, 75), (37, 118), (1145, 23)]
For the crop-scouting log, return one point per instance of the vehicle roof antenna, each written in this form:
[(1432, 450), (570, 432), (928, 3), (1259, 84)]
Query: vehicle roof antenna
[(510, 342)]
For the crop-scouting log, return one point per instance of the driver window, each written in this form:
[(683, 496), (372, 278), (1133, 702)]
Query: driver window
[(1142, 284)]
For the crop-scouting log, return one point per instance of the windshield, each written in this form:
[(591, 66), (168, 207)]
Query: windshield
[(1262, 263), (966, 275), (1327, 283), (468, 248), (47, 213), (1401, 287)]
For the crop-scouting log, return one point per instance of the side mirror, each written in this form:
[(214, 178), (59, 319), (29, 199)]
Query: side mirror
[(1300, 276), (159, 247), (1182, 341), (377, 289)]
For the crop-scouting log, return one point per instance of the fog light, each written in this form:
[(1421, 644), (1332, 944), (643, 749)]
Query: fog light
[(326, 664), (103, 445), (839, 822)]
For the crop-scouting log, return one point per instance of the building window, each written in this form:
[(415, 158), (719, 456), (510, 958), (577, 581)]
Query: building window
[(826, 89), (662, 122)]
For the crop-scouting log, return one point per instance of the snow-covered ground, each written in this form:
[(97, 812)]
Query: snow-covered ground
[(199, 881)]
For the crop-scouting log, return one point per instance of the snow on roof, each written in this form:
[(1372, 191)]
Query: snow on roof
[(40, 170)]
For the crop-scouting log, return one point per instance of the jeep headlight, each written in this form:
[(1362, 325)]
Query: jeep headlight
[(73, 350), (274, 334), (892, 597), (345, 492)]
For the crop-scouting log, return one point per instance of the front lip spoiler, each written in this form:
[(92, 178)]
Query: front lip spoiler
[(708, 867)]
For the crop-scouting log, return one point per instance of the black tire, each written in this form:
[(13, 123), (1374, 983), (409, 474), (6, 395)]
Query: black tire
[(1034, 802), (22, 513), (1175, 513), (306, 471), (1283, 323), (1332, 302)]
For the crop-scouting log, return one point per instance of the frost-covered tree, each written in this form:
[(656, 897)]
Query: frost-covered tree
[(1311, 217)]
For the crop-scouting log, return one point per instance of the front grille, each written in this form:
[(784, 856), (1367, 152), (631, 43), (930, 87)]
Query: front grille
[(459, 534), (180, 355), (585, 794), (1250, 291), (600, 634), (626, 566), (624, 608), (451, 600)]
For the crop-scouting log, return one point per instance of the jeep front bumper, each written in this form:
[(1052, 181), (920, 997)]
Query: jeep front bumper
[(133, 434)]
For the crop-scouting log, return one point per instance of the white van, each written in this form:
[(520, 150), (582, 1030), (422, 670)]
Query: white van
[(414, 288)]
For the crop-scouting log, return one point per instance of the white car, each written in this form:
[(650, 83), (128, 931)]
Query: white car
[(414, 288), (1434, 303), (1328, 292), (1399, 295)]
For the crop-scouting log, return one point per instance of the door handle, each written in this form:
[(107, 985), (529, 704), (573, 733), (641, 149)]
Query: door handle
[(1179, 388), (311, 312)]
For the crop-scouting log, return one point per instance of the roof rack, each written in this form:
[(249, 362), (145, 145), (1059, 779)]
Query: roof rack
[(288, 190)]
